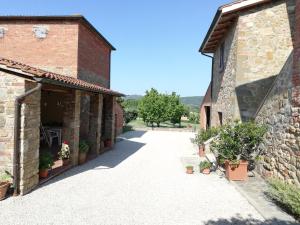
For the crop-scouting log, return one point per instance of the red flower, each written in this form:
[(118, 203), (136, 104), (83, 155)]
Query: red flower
[(66, 143)]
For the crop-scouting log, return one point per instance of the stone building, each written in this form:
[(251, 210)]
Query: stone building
[(254, 46), (54, 71)]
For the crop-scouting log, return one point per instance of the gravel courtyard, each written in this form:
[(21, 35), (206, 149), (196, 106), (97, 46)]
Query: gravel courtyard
[(141, 181)]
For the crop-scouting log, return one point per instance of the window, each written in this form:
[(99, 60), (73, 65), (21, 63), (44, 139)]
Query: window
[(220, 118), (221, 63)]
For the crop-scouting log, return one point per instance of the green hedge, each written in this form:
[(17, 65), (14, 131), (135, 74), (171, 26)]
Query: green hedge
[(286, 195)]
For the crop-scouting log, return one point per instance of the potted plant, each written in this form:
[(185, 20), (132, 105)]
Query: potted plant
[(5, 180), (64, 153), (189, 169), (46, 162), (236, 145), (83, 150), (202, 136), (204, 167)]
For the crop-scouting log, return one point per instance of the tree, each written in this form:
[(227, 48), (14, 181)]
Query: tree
[(130, 115), (175, 109), (152, 108), (194, 117)]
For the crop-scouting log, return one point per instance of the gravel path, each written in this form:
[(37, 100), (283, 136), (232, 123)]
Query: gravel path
[(141, 181)]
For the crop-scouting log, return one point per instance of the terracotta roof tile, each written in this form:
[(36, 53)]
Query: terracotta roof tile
[(57, 77)]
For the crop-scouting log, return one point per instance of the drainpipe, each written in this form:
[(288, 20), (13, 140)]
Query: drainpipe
[(17, 125)]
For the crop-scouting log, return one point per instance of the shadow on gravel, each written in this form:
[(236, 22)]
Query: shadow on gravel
[(250, 221), (121, 151)]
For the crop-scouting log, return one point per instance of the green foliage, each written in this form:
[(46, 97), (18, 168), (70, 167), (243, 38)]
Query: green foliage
[(175, 109), (204, 135), (194, 117), (157, 108), (83, 146), (130, 104), (189, 167), (130, 115), (5, 177), (239, 141), (204, 165), (46, 161), (286, 195)]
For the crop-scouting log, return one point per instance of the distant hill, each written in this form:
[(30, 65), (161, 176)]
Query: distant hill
[(192, 101)]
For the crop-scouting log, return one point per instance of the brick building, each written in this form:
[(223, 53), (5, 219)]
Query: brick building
[(254, 46), (54, 71)]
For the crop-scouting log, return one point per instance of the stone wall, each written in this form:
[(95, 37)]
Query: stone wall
[(85, 106), (108, 118), (281, 143), (119, 123), (30, 140), (71, 120), (223, 82), (280, 113), (10, 87), (95, 119), (264, 44)]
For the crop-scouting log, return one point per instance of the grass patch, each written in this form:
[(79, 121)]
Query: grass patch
[(139, 123), (287, 196)]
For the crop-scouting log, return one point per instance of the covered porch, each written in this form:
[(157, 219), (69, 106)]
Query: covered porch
[(70, 116)]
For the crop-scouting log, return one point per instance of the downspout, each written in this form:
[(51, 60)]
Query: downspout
[(17, 125)]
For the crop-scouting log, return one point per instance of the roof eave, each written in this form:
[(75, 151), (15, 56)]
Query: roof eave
[(211, 28)]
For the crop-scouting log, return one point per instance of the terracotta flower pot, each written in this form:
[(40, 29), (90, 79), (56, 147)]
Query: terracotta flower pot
[(236, 172), (3, 189), (65, 162), (44, 173), (82, 158), (206, 171), (189, 170), (202, 151)]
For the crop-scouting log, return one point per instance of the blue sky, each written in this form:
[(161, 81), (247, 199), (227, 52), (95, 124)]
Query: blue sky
[(157, 41)]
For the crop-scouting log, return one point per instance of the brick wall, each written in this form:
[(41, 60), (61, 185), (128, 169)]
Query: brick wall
[(93, 58), (62, 46), (57, 52)]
